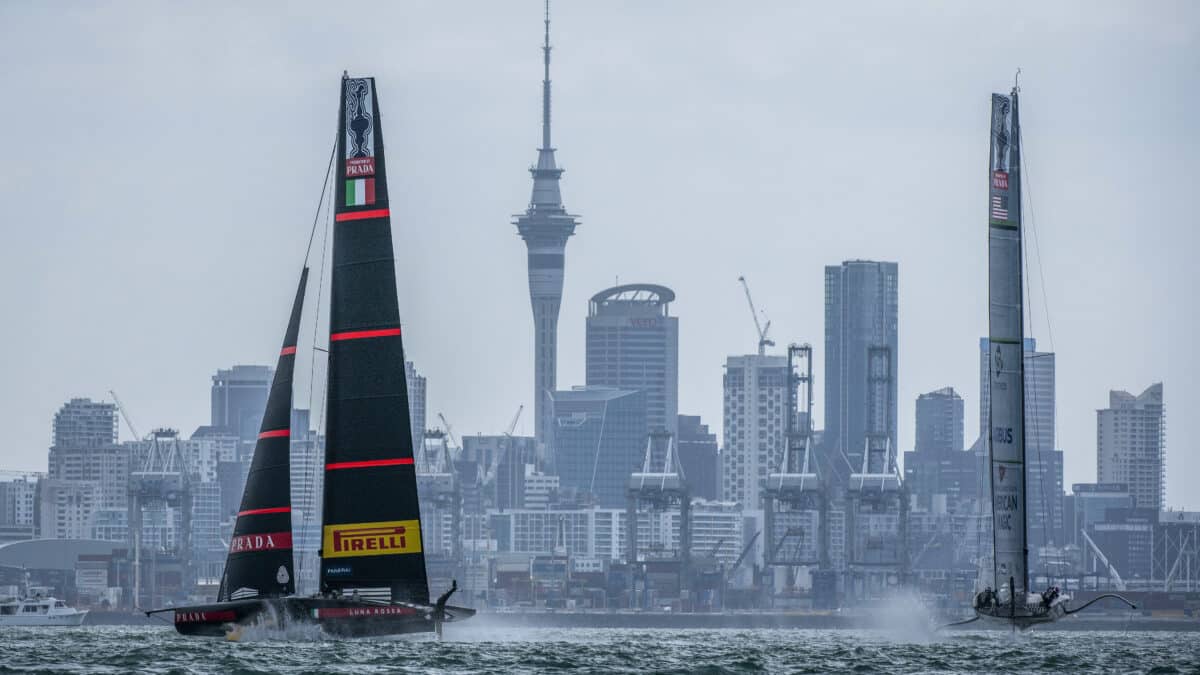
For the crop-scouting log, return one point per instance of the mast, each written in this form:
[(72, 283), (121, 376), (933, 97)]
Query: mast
[(260, 561), (371, 534), (1006, 411)]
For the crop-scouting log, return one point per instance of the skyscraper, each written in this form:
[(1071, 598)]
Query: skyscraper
[(633, 343), (545, 226), (1043, 462), (416, 403), (861, 305), (239, 397), (699, 457), (1130, 444), (600, 439), (755, 399), (940, 474)]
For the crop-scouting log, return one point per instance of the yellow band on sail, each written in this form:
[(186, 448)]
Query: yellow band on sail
[(354, 540)]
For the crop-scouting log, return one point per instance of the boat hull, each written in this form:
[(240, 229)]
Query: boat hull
[(1027, 616), (66, 619), (339, 617)]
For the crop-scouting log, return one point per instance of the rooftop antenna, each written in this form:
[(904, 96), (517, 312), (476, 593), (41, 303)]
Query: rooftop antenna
[(546, 84), (1016, 78)]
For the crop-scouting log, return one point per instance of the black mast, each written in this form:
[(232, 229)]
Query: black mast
[(260, 562), (371, 535)]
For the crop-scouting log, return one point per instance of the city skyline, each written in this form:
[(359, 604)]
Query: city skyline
[(448, 315)]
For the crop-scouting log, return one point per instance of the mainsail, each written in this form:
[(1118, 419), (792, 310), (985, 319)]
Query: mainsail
[(371, 534), (1006, 424), (260, 562)]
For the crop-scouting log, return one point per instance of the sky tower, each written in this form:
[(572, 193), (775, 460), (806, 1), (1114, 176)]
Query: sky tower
[(545, 226)]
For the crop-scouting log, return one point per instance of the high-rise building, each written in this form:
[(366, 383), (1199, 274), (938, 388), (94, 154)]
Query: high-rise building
[(545, 227), (755, 400), (699, 457), (941, 476), (599, 440), (633, 343), (239, 397), (416, 403), (84, 423), (1131, 444), (940, 422), (861, 307), (1043, 462)]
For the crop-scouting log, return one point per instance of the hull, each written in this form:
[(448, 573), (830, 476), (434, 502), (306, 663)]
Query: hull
[(338, 617), (64, 619), (1027, 616)]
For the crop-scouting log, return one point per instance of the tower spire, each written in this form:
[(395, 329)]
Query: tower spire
[(546, 84)]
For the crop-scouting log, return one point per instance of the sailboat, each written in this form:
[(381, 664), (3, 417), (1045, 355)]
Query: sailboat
[(372, 575), (1008, 599)]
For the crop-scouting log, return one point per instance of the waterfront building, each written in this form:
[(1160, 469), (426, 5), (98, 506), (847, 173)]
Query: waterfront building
[(861, 313), (545, 227), (755, 395), (599, 440), (1131, 444), (17, 499), (84, 423), (1090, 504), (633, 343)]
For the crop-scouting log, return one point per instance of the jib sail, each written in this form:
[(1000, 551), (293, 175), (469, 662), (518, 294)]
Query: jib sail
[(1006, 363), (371, 534), (260, 553)]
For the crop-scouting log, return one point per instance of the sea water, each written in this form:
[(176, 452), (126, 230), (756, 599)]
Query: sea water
[(490, 647)]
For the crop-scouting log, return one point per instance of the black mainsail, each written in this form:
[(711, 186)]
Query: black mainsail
[(371, 534), (260, 562), (373, 578)]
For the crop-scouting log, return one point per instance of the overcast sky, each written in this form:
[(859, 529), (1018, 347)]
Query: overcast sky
[(162, 161)]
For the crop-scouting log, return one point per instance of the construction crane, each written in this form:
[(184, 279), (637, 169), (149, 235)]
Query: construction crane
[(512, 426), (763, 340), (125, 416), (449, 430)]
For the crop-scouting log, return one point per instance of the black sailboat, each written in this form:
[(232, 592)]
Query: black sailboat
[(372, 577)]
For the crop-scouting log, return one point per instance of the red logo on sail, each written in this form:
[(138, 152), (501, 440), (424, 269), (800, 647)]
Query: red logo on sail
[(1000, 180), (360, 166), (246, 543)]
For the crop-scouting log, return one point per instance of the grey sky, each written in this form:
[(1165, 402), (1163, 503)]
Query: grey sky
[(162, 162)]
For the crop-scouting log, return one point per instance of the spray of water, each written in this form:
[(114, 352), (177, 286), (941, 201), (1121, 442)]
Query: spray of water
[(902, 616)]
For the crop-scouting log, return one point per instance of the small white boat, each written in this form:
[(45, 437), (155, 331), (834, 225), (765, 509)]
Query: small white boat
[(39, 611)]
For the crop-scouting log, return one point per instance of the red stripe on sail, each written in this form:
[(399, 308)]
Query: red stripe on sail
[(274, 509), (287, 350), (360, 334), (401, 461), (276, 433), (362, 215)]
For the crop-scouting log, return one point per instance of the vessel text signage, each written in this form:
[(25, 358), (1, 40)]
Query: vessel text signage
[(244, 543), (363, 539)]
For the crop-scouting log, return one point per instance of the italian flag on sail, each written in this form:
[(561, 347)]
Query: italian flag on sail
[(360, 192)]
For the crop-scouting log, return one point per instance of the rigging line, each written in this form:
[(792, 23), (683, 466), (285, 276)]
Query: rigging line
[(1036, 244), (324, 190), (309, 478), (1037, 432)]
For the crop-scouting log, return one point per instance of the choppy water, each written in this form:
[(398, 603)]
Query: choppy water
[(492, 648)]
